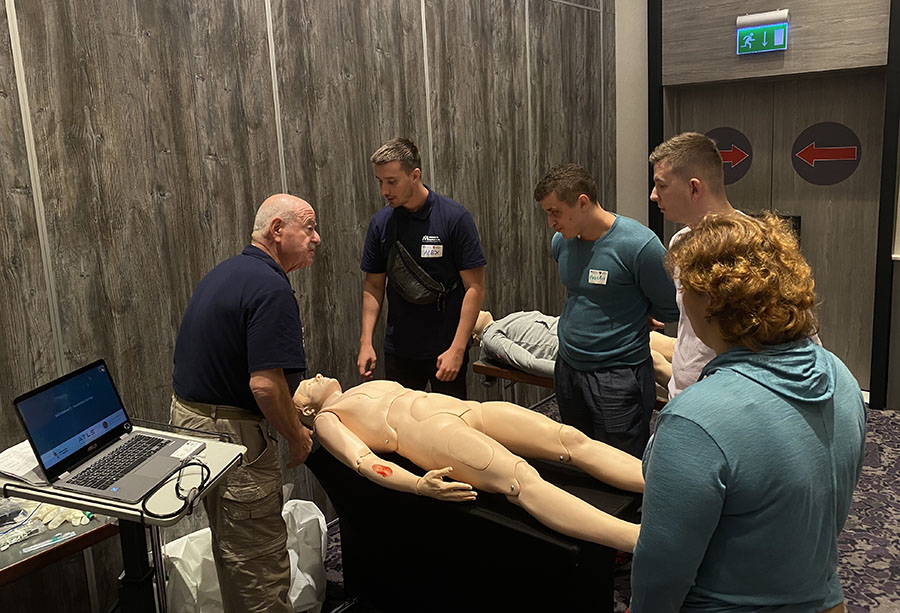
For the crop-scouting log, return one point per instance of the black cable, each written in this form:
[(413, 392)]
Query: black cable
[(188, 497)]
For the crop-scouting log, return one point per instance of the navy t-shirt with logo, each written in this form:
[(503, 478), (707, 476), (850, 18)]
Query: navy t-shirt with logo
[(443, 239), (243, 317)]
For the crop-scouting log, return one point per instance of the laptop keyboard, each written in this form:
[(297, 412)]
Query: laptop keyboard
[(111, 467)]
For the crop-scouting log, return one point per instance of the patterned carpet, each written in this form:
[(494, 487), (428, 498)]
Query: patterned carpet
[(869, 546)]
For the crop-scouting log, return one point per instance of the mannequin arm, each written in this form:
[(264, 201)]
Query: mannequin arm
[(352, 451)]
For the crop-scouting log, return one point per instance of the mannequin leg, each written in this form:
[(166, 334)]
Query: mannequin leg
[(570, 515), (663, 344), (483, 462), (532, 435), (662, 369)]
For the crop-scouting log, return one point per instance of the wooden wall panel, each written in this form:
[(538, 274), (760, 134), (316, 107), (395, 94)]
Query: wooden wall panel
[(699, 39), (479, 109), (746, 107), (480, 122), (838, 222), (588, 4), (156, 142), (27, 348), (573, 108), (350, 76)]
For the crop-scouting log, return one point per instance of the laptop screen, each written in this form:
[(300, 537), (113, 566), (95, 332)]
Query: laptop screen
[(70, 418)]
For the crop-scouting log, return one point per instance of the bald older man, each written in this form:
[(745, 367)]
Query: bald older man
[(238, 359)]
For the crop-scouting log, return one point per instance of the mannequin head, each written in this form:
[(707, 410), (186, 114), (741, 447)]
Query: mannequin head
[(745, 281), (313, 395), (484, 320)]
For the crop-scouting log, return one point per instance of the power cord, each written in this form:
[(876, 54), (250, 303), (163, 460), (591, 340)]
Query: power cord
[(189, 497)]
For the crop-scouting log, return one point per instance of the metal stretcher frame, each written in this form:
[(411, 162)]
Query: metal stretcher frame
[(502, 371)]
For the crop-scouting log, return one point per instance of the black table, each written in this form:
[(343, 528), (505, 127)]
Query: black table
[(403, 552), (14, 564)]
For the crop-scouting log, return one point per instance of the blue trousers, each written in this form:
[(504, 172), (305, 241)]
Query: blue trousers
[(415, 374), (612, 405)]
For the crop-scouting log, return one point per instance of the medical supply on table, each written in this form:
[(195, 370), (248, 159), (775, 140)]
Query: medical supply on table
[(19, 534), (10, 511), (56, 538)]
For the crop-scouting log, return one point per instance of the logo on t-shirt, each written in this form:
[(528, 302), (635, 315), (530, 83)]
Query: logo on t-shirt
[(597, 277), (432, 247)]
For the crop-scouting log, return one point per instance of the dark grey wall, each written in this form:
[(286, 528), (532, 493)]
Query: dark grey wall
[(771, 98), (157, 131), (893, 394), (699, 39), (837, 221)]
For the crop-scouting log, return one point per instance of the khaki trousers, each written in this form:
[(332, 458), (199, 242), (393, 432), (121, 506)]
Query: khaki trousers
[(249, 536)]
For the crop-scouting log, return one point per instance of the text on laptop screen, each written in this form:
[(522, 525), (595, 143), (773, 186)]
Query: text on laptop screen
[(68, 416)]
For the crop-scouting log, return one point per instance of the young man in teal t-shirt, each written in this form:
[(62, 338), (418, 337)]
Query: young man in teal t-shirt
[(612, 267)]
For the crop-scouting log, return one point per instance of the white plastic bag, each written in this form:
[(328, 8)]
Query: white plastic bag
[(192, 585)]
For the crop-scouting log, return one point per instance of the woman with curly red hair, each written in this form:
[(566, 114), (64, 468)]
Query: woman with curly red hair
[(750, 473)]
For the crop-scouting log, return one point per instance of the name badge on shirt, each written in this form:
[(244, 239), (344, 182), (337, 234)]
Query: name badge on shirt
[(432, 251), (597, 277)]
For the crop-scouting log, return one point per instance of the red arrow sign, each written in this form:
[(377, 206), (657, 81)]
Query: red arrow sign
[(734, 157), (812, 154)]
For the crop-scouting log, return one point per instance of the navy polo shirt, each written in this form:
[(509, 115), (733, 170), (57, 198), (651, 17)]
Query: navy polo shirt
[(445, 232), (243, 317)]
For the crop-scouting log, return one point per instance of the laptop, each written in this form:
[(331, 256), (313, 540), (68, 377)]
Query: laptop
[(84, 441)]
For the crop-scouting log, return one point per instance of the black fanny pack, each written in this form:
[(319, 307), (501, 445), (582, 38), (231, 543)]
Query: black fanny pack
[(409, 279)]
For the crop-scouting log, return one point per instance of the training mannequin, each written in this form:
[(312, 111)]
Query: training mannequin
[(476, 442), (527, 340)]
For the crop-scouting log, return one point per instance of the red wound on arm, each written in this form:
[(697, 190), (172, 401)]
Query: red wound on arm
[(384, 471)]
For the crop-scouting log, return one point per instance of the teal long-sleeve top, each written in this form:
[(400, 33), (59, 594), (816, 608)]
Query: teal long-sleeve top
[(614, 284), (749, 478)]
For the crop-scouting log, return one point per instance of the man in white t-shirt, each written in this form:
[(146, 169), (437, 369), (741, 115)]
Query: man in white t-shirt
[(688, 184)]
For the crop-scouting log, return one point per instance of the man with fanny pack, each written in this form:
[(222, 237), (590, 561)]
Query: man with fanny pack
[(423, 251), (238, 359)]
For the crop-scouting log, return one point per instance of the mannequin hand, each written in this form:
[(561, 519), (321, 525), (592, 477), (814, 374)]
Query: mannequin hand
[(366, 361), (434, 486), (448, 364)]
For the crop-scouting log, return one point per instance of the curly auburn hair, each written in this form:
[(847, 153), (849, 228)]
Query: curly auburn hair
[(760, 287)]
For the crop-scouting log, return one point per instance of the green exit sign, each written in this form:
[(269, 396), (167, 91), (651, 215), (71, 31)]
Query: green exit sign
[(759, 39)]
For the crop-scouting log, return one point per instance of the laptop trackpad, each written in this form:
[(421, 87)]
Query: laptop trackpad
[(158, 466)]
